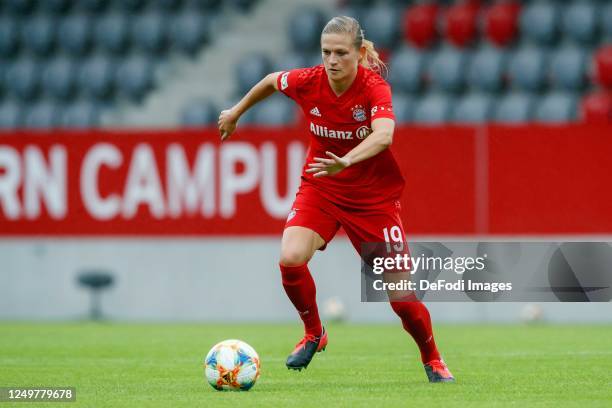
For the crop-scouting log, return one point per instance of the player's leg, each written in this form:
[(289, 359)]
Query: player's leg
[(297, 247), (308, 229), (384, 226)]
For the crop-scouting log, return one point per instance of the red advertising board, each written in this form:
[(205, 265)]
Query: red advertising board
[(459, 181)]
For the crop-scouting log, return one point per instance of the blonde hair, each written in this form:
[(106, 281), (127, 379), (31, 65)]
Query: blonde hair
[(350, 26)]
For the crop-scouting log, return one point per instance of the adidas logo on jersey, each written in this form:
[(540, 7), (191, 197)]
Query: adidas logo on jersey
[(315, 111)]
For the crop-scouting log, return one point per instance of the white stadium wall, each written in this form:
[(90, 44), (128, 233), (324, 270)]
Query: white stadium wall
[(209, 280)]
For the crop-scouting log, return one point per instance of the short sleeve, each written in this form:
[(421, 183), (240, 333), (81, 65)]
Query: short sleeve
[(380, 102), (288, 83)]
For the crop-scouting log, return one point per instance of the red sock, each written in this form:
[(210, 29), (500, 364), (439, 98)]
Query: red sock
[(416, 321), (300, 288)]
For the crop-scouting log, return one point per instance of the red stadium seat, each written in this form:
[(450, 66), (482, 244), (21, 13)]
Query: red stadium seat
[(501, 22), (419, 24), (461, 23), (597, 108), (603, 66)]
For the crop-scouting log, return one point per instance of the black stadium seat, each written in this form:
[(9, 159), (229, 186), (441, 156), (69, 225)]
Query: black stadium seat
[(22, 79), (111, 33), (59, 78), (134, 77), (74, 34), (199, 113), (80, 114), (96, 77)]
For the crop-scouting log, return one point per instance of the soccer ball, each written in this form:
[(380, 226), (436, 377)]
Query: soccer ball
[(232, 365)]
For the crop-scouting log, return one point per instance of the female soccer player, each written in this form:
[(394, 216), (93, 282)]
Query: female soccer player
[(350, 178)]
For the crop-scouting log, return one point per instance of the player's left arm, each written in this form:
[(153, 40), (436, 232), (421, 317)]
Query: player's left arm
[(379, 140)]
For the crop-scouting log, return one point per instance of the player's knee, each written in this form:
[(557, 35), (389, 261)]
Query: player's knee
[(294, 257)]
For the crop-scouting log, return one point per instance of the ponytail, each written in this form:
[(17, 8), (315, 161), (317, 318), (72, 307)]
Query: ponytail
[(372, 60), (348, 25)]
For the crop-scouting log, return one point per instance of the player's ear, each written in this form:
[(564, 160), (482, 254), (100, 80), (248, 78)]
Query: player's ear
[(362, 53)]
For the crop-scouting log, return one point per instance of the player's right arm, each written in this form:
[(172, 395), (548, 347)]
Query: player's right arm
[(229, 117)]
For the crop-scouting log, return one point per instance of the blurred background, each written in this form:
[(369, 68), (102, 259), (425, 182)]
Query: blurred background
[(505, 110)]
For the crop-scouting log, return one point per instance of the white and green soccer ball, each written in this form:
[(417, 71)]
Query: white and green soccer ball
[(232, 365)]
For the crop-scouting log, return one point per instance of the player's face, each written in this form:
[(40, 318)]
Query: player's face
[(340, 57)]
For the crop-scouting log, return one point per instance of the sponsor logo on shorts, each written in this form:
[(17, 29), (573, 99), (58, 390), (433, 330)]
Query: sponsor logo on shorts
[(323, 131), (284, 81)]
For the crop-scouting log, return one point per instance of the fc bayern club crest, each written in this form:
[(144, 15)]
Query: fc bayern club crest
[(359, 113)]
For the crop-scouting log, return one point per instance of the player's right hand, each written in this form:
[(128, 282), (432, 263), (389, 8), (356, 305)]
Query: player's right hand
[(227, 123)]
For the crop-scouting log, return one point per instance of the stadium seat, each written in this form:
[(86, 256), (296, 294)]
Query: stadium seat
[(580, 22), (527, 69), (381, 26), (597, 108), (313, 59), (189, 32), (22, 79), (55, 6), (199, 113), (96, 77), (19, 7), (419, 24), (80, 115), (473, 108), (74, 34), (501, 23), (39, 34), (556, 107), (275, 111), (305, 29), (606, 23), (603, 66), (539, 22), (9, 36), (167, 5), (433, 109), (568, 68), (59, 78), (11, 115), (131, 5), (149, 32), (241, 5), (94, 6), (285, 62), (111, 33), (251, 70), (406, 70), (514, 108), (403, 108), (204, 5), (357, 12), (460, 24), (486, 70), (447, 70), (43, 115), (134, 77)]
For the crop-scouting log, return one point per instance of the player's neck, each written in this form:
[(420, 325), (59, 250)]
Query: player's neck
[(341, 86)]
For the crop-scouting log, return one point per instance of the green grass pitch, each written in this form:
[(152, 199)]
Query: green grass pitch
[(160, 365)]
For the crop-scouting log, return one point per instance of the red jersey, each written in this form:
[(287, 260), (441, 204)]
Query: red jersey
[(338, 124)]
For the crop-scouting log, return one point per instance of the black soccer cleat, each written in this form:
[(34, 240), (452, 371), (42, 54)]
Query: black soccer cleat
[(305, 350), (437, 372)]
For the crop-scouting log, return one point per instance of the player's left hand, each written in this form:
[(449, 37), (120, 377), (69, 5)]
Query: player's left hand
[(328, 166)]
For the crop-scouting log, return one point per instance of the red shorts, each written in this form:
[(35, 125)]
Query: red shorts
[(368, 225)]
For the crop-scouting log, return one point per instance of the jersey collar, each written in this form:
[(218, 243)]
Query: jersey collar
[(349, 91)]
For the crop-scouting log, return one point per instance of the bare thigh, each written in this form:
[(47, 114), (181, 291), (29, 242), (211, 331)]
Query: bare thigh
[(299, 245)]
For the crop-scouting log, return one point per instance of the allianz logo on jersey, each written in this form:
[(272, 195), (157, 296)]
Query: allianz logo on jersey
[(324, 131)]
